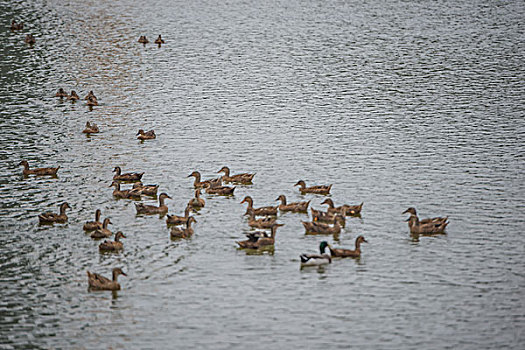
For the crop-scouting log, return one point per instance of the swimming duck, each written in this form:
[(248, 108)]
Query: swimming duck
[(90, 128), (152, 209), (61, 93), (99, 282), (38, 171), (260, 223), (143, 39), (348, 253), (91, 101), (112, 246), (148, 190), (178, 232), (259, 239), (93, 225), (149, 135), (429, 228), (322, 216), (49, 217), (90, 95), (344, 209), (219, 190), (179, 220), (436, 220), (317, 259), (322, 189), (197, 202), (16, 26), (243, 178), (316, 227), (126, 177), (296, 207), (124, 194), (103, 232), (200, 184), (30, 39), (159, 40), (269, 210), (73, 96)]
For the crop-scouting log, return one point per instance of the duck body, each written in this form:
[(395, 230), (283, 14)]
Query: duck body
[(152, 209), (201, 184), (296, 207), (93, 225), (262, 211), (321, 189), (243, 179), (103, 232), (429, 228), (179, 220), (148, 190), (16, 26), (259, 239), (148, 135), (125, 194), (38, 171), (30, 39), (90, 94), (316, 259), (179, 232), (197, 202), (99, 282), (267, 222), (348, 210), (219, 190), (322, 228), (112, 246), (61, 93), (90, 128), (73, 96), (143, 39), (436, 220), (159, 40), (348, 253), (322, 216), (51, 218), (127, 176), (91, 101)]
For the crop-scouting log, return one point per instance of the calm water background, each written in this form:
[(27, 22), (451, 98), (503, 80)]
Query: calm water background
[(397, 103)]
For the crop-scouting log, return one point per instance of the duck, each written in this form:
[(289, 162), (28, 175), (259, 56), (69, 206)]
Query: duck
[(322, 216), (436, 220), (148, 190), (316, 227), (159, 40), (112, 246), (296, 207), (317, 259), (219, 190), (197, 202), (30, 39), (91, 101), (50, 218), (90, 95), (344, 209), (259, 239), (178, 232), (321, 189), (90, 128), (38, 171), (267, 222), (103, 232), (200, 184), (61, 93), (152, 209), (16, 26), (429, 228), (126, 177), (348, 253), (124, 194), (99, 282), (73, 96), (149, 135), (179, 220), (93, 225), (143, 39), (243, 178), (269, 210)]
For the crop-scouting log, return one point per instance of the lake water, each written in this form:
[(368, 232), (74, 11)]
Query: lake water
[(397, 103)]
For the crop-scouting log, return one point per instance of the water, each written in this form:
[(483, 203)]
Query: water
[(396, 103)]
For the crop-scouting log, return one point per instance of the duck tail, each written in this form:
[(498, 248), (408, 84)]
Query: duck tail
[(304, 258)]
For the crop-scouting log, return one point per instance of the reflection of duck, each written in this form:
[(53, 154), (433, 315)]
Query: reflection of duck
[(103, 232), (259, 239), (126, 177), (344, 209), (436, 220), (159, 40), (321, 189), (178, 232), (323, 228), (269, 210), (38, 171), (200, 184), (348, 253), (148, 135), (243, 178), (179, 220), (197, 202), (90, 128), (93, 225), (49, 217), (124, 194), (143, 39), (417, 227), (61, 93), (260, 223), (112, 246), (296, 207), (99, 282), (152, 209), (317, 259)]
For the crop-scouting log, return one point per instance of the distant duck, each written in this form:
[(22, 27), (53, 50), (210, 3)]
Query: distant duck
[(149, 135), (38, 171), (50, 218), (93, 225), (99, 282), (103, 232), (127, 176), (429, 228), (92, 101), (30, 39), (152, 209), (315, 227), (197, 202), (322, 189), (436, 220), (267, 222), (322, 216), (317, 259), (112, 246), (200, 184), (159, 40), (187, 232), (296, 207), (147, 190), (90, 95), (348, 253), (16, 26), (219, 190), (124, 194), (143, 39), (179, 220), (259, 239), (90, 128), (243, 178), (345, 209), (61, 93), (269, 210), (73, 96)]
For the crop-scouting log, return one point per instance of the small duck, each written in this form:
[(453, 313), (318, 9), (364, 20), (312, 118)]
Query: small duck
[(93, 225), (197, 202), (90, 128), (50, 218), (159, 40), (99, 282), (30, 39), (126, 177), (243, 178), (147, 190), (296, 207), (322, 216), (345, 209), (38, 171), (73, 96), (259, 239), (315, 227), (177, 232), (179, 220), (436, 220), (429, 228), (61, 93), (219, 190), (149, 135), (112, 246), (91, 101), (152, 209), (348, 253), (260, 223), (16, 26), (321, 189), (124, 194), (317, 259), (143, 39), (90, 95), (200, 184), (103, 232), (258, 211)]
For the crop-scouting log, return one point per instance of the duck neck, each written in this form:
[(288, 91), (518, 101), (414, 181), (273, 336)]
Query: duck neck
[(188, 223), (226, 172), (250, 202), (117, 238), (115, 275), (283, 200), (97, 215), (197, 178), (274, 231), (117, 186), (330, 203), (26, 166), (187, 212), (105, 224), (117, 170), (62, 209), (357, 245), (161, 201)]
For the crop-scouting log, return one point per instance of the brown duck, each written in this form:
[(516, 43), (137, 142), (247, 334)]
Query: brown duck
[(103, 232), (30, 39), (322, 216), (258, 211), (436, 220), (187, 232), (93, 225), (322, 189), (179, 220), (429, 228), (267, 222), (159, 40), (344, 209), (16, 26), (148, 135), (296, 207), (73, 96), (126, 177), (348, 253), (259, 239), (152, 209), (197, 202), (112, 246), (219, 190), (127, 194), (148, 190), (38, 171), (200, 184), (90, 95), (90, 128), (91, 101), (61, 93), (316, 227), (99, 282), (50, 218), (243, 178), (143, 39)]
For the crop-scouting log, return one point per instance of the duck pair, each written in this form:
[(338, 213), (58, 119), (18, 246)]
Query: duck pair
[(91, 128), (144, 40), (316, 227), (73, 96), (38, 171), (325, 258), (426, 226), (260, 239), (148, 135), (183, 232)]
